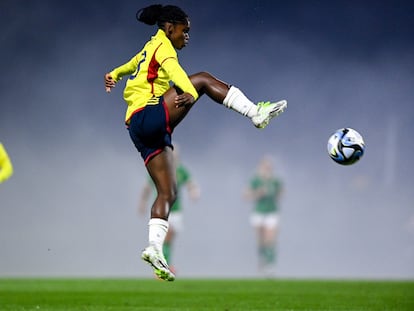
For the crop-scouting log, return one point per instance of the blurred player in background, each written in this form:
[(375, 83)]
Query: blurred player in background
[(159, 94), (6, 167), (175, 220), (265, 190)]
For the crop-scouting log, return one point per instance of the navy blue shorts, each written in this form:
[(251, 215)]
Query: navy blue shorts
[(150, 131)]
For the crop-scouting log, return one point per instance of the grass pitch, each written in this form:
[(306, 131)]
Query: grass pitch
[(209, 294)]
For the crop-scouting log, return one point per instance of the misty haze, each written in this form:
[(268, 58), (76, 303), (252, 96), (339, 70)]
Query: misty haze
[(70, 209)]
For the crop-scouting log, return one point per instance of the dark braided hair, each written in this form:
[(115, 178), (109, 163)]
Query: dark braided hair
[(160, 14)]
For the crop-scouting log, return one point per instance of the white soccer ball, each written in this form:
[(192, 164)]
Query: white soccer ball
[(346, 146)]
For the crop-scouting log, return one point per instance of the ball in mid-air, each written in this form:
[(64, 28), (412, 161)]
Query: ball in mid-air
[(346, 146)]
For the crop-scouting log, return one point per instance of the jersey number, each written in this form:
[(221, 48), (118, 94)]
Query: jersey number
[(143, 57)]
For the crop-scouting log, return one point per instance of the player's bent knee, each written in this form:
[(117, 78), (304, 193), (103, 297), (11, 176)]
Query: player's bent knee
[(201, 78)]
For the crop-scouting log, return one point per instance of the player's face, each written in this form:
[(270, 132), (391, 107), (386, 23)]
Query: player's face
[(179, 35)]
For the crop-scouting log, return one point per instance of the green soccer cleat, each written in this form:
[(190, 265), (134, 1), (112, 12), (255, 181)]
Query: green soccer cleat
[(266, 111), (158, 263)]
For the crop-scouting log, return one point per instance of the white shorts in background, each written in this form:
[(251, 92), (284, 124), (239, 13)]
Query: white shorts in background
[(175, 221), (269, 220)]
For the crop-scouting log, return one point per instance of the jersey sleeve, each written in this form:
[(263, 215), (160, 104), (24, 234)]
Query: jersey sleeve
[(6, 168), (169, 62), (125, 69)]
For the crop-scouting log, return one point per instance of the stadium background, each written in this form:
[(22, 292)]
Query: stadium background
[(70, 207)]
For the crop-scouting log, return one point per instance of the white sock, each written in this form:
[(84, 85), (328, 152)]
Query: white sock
[(236, 100), (158, 229)]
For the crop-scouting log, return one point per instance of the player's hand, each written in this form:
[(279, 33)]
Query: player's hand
[(185, 99), (109, 83)]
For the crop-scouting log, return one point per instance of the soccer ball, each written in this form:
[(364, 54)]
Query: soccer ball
[(346, 146)]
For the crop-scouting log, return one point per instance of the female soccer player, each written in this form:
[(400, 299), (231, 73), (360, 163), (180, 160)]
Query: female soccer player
[(6, 167), (265, 190), (155, 109)]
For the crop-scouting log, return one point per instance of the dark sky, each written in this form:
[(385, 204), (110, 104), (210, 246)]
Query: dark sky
[(77, 176)]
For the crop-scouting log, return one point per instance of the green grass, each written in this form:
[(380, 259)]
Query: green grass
[(192, 294)]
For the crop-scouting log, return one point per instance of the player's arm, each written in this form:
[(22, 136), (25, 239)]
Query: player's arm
[(249, 193), (280, 191), (180, 78), (190, 185), (115, 75), (6, 167), (193, 190), (254, 191)]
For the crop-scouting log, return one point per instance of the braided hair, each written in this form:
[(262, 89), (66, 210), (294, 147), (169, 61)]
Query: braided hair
[(160, 14)]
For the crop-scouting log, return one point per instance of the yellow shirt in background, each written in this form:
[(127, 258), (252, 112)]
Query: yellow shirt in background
[(6, 168)]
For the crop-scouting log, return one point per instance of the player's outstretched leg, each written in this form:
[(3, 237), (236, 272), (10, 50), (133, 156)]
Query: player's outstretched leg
[(228, 95), (233, 98), (158, 263)]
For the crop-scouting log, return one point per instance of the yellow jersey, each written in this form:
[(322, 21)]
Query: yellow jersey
[(6, 168), (151, 71)]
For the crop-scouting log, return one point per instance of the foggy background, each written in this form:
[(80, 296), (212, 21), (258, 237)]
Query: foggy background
[(70, 209)]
